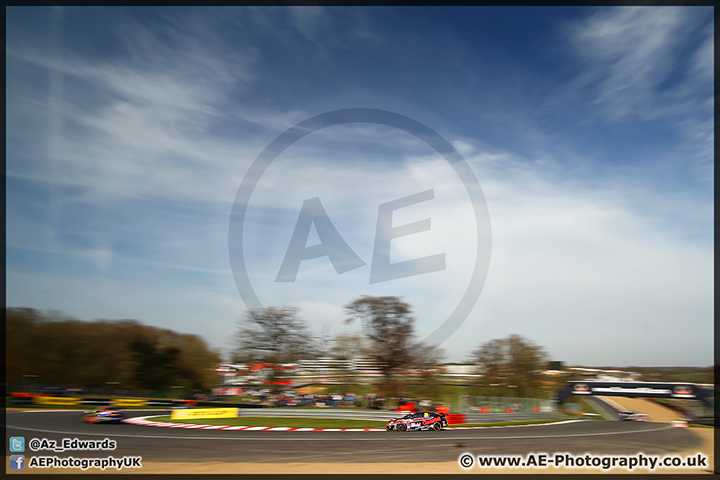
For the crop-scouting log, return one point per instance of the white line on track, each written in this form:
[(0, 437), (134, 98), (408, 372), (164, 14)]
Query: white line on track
[(146, 422), (334, 439)]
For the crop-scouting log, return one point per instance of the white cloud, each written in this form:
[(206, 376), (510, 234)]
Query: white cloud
[(569, 264), (629, 53), (629, 48)]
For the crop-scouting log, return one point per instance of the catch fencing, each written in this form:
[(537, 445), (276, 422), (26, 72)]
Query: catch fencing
[(479, 404)]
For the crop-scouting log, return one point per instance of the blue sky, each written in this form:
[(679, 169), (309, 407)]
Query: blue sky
[(589, 130)]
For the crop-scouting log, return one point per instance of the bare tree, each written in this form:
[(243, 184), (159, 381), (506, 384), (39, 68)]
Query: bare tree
[(346, 347), (388, 324), (273, 335), (427, 357), (513, 362)]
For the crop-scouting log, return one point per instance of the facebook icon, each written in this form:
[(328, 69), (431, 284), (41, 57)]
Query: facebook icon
[(17, 462)]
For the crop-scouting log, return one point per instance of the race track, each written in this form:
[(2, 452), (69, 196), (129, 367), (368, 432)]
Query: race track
[(268, 447), (657, 413)]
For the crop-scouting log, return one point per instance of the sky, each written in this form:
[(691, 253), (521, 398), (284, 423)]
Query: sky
[(554, 164)]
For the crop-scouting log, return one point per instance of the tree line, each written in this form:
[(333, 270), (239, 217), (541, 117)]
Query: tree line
[(52, 349), (278, 335)]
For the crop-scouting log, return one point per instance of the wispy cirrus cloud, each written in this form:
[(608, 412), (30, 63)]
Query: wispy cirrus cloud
[(652, 65), (131, 159), (154, 111), (632, 55)]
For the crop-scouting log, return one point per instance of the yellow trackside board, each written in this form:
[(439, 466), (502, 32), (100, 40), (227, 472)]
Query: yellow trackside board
[(204, 413), (129, 402)]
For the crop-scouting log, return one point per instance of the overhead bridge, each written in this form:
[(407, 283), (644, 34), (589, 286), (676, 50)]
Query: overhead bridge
[(681, 391)]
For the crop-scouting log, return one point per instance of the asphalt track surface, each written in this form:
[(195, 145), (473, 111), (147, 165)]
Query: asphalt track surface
[(607, 412), (187, 445)]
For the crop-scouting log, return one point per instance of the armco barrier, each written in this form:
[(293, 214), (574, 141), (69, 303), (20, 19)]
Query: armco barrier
[(24, 398), (56, 400), (95, 402)]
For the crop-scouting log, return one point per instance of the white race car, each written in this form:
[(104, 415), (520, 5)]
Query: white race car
[(632, 416)]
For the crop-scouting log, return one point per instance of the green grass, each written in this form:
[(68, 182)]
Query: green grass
[(279, 422), (699, 377), (319, 422)]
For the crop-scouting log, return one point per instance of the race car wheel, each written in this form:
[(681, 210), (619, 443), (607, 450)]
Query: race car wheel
[(437, 427), (402, 427)]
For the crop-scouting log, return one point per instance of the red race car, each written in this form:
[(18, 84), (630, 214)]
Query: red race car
[(418, 421)]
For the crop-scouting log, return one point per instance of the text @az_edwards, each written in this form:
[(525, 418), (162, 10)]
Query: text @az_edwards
[(70, 444)]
